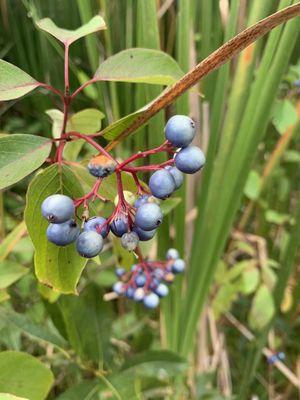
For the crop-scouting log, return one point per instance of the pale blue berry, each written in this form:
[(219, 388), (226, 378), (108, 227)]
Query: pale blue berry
[(58, 208), (148, 216), (180, 130), (190, 159), (64, 233), (89, 244), (162, 184)]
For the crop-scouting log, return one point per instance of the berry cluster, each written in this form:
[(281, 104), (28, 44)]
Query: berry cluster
[(131, 221), (147, 281)]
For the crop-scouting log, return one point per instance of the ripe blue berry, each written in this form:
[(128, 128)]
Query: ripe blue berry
[(190, 159), (101, 166), (178, 266), (58, 208), (94, 224), (129, 241), (118, 288), (64, 233), (119, 225), (130, 292), (177, 176), (141, 200), (180, 130), (120, 272), (148, 216), (162, 290), (172, 254), (151, 300), (144, 235), (139, 294), (140, 280), (162, 184), (89, 244)]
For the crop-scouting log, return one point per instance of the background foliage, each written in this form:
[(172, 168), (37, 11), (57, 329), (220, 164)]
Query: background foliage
[(238, 224)]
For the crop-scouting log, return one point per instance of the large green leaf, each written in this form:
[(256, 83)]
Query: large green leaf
[(262, 309), (91, 339), (23, 375), (57, 267), (67, 36), (14, 82), (10, 272), (140, 66), (20, 155), (113, 130)]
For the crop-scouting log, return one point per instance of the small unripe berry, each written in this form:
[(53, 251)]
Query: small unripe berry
[(58, 208), (190, 159), (95, 223), (169, 277), (151, 300), (130, 241), (130, 292), (144, 235), (180, 130), (162, 290), (148, 216), (162, 184), (139, 294), (172, 254), (177, 176), (178, 266), (119, 225), (64, 233), (89, 244), (101, 166)]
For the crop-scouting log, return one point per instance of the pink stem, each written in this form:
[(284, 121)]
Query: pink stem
[(152, 167), (93, 80), (52, 89), (67, 82)]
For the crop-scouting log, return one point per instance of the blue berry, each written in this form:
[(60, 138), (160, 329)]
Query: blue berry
[(58, 208), (64, 233), (130, 241), (178, 266), (148, 216), (172, 254), (130, 292), (177, 176), (180, 130), (162, 184), (139, 295), (141, 200), (119, 225), (144, 235), (101, 166), (94, 223), (120, 272), (162, 290), (118, 288), (89, 244), (190, 159), (151, 300), (140, 280), (158, 273)]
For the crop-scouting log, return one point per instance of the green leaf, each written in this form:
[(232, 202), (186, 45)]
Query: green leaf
[(250, 280), (14, 82), (253, 185), (113, 130), (57, 267), (169, 204), (23, 375), (34, 331), (7, 396), (90, 91), (262, 309), (67, 36), (85, 390), (140, 66), (3, 296), (20, 155), (284, 115), (91, 339), (277, 218), (10, 272), (155, 364)]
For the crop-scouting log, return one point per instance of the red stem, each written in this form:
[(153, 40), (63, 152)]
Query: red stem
[(67, 82), (145, 168), (93, 80), (52, 89)]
